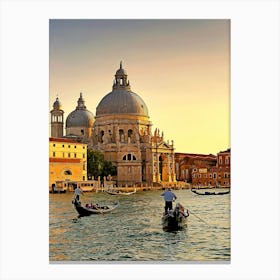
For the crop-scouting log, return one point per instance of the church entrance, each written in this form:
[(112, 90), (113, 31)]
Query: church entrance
[(160, 166)]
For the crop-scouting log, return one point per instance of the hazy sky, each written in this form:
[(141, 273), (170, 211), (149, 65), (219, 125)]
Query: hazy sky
[(180, 68)]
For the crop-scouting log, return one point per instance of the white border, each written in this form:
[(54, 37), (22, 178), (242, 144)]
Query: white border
[(255, 137)]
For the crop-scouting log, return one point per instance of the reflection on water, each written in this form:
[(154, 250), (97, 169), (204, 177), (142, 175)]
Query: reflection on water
[(133, 231)]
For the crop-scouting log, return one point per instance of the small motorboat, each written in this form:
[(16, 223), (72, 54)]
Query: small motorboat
[(117, 192), (175, 219), (93, 209), (207, 192)]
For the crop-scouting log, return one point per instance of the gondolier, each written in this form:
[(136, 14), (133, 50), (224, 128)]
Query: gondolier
[(168, 196), (77, 193)]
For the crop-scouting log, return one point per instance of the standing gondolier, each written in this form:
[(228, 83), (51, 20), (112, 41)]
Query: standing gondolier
[(168, 196), (78, 191)]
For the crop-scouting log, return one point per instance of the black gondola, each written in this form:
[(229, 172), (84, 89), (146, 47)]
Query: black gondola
[(209, 192), (98, 209), (175, 219)]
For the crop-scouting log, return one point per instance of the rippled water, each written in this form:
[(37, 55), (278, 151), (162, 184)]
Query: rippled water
[(133, 231)]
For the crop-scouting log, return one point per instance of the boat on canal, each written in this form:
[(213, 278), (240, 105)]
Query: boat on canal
[(209, 192), (175, 219), (93, 209), (57, 188), (118, 192)]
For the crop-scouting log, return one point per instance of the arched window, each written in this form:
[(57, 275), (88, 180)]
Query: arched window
[(67, 172), (101, 136), (129, 157), (129, 132), (121, 134)]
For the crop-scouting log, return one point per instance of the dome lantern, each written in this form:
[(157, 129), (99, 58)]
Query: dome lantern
[(120, 81), (81, 102), (57, 104), (121, 100)]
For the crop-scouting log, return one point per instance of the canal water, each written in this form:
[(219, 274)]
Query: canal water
[(133, 231)]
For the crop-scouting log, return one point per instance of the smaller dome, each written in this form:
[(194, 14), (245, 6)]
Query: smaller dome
[(81, 117), (57, 104)]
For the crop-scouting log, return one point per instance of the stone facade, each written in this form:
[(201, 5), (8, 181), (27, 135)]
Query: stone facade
[(121, 130)]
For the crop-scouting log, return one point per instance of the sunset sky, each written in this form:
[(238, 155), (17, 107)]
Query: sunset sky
[(180, 68)]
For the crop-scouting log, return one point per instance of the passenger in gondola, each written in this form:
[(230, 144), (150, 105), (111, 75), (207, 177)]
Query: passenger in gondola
[(168, 196), (93, 206)]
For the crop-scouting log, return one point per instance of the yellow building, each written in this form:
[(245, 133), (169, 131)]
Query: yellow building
[(67, 160)]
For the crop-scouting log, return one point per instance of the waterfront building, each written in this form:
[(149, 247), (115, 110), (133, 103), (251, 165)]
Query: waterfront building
[(67, 160), (122, 132), (187, 162), (223, 168), (218, 175)]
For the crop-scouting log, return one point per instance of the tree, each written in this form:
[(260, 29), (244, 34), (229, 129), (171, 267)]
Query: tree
[(109, 169), (97, 166)]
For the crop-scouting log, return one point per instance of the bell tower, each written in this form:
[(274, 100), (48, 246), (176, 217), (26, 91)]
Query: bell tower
[(57, 119)]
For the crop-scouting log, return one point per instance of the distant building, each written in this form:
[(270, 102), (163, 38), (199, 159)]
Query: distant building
[(204, 170), (223, 168), (67, 160), (218, 175), (186, 162)]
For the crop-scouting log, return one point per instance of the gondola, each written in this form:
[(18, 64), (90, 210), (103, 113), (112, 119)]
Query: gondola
[(99, 209), (209, 192), (117, 192), (175, 219)]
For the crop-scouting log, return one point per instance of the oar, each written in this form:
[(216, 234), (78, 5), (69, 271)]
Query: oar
[(199, 218)]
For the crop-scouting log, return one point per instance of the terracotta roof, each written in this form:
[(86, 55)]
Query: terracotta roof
[(212, 157), (226, 151), (65, 160), (197, 155), (65, 140)]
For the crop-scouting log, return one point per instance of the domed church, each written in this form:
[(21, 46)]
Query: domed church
[(121, 130)]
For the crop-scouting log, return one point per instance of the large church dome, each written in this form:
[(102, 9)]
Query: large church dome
[(121, 100), (80, 117)]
